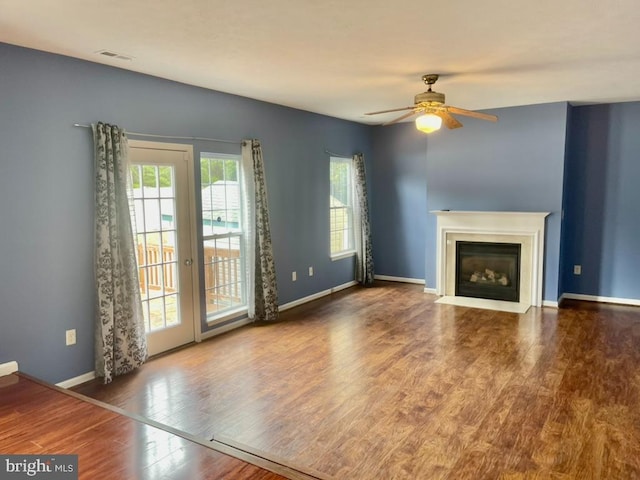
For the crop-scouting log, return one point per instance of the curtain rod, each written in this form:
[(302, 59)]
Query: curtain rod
[(206, 139), (334, 154)]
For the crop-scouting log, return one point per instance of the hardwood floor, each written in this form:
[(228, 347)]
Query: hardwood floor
[(36, 419), (383, 383)]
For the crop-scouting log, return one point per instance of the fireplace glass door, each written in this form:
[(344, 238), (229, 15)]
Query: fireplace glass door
[(488, 270)]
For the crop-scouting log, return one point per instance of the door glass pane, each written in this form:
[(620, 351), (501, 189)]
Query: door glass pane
[(141, 255), (156, 249), (156, 311), (150, 180), (136, 179), (151, 214), (167, 213), (171, 310), (166, 181)]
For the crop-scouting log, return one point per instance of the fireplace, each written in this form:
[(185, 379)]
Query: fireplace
[(488, 270), (502, 251)]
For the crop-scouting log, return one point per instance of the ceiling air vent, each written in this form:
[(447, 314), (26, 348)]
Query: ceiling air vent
[(119, 56)]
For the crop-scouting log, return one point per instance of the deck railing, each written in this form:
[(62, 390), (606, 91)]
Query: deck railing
[(158, 269), (222, 272), (223, 278)]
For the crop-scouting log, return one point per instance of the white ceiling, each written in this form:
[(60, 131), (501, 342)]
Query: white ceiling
[(347, 57)]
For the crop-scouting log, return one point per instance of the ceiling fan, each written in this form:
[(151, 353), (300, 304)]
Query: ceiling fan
[(434, 112)]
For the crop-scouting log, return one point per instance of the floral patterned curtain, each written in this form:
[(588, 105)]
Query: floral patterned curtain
[(364, 251), (263, 297), (120, 341)]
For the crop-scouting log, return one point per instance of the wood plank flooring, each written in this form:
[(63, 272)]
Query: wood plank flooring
[(383, 383), (36, 419)]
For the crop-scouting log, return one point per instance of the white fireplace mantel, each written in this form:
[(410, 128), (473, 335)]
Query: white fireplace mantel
[(525, 228)]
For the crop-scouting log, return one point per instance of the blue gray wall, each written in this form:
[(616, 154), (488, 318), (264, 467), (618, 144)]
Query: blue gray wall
[(602, 201), (399, 202), (46, 190), (516, 164), (524, 162)]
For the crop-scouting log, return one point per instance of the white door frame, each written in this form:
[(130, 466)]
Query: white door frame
[(192, 223)]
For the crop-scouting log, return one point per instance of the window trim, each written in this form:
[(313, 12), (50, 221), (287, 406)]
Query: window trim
[(343, 254), (238, 311), (348, 252)]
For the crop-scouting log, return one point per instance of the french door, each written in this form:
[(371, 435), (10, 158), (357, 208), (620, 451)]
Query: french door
[(161, 175)]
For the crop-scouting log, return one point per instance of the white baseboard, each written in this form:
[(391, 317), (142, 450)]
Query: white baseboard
[(350, 284), (561, 299), (596, 298), (72, 382), (8, 368), (281, 308), (86, 377), (303, 300), (389, 278), (316, 296), (417, 281)]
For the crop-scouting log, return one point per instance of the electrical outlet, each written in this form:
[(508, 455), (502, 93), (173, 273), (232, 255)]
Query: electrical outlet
[(577, 269), (311, 271), (294, 276), (71, 337)]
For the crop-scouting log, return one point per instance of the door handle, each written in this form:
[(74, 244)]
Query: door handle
[(188, 262)]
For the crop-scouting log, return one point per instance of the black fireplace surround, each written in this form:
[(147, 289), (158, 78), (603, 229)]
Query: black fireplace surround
[(488, 270)]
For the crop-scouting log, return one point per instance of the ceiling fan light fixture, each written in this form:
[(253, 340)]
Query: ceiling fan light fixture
[(429, 122)]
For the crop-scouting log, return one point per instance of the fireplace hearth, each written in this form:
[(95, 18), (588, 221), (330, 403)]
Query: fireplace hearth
[(488, 270)]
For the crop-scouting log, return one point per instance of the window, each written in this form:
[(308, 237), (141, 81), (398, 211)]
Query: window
[(341, 207), (223, 235)]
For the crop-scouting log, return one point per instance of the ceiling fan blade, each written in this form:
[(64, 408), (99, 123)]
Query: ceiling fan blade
[(448, 120), (389, 111), (402, 117), (469, 113)]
